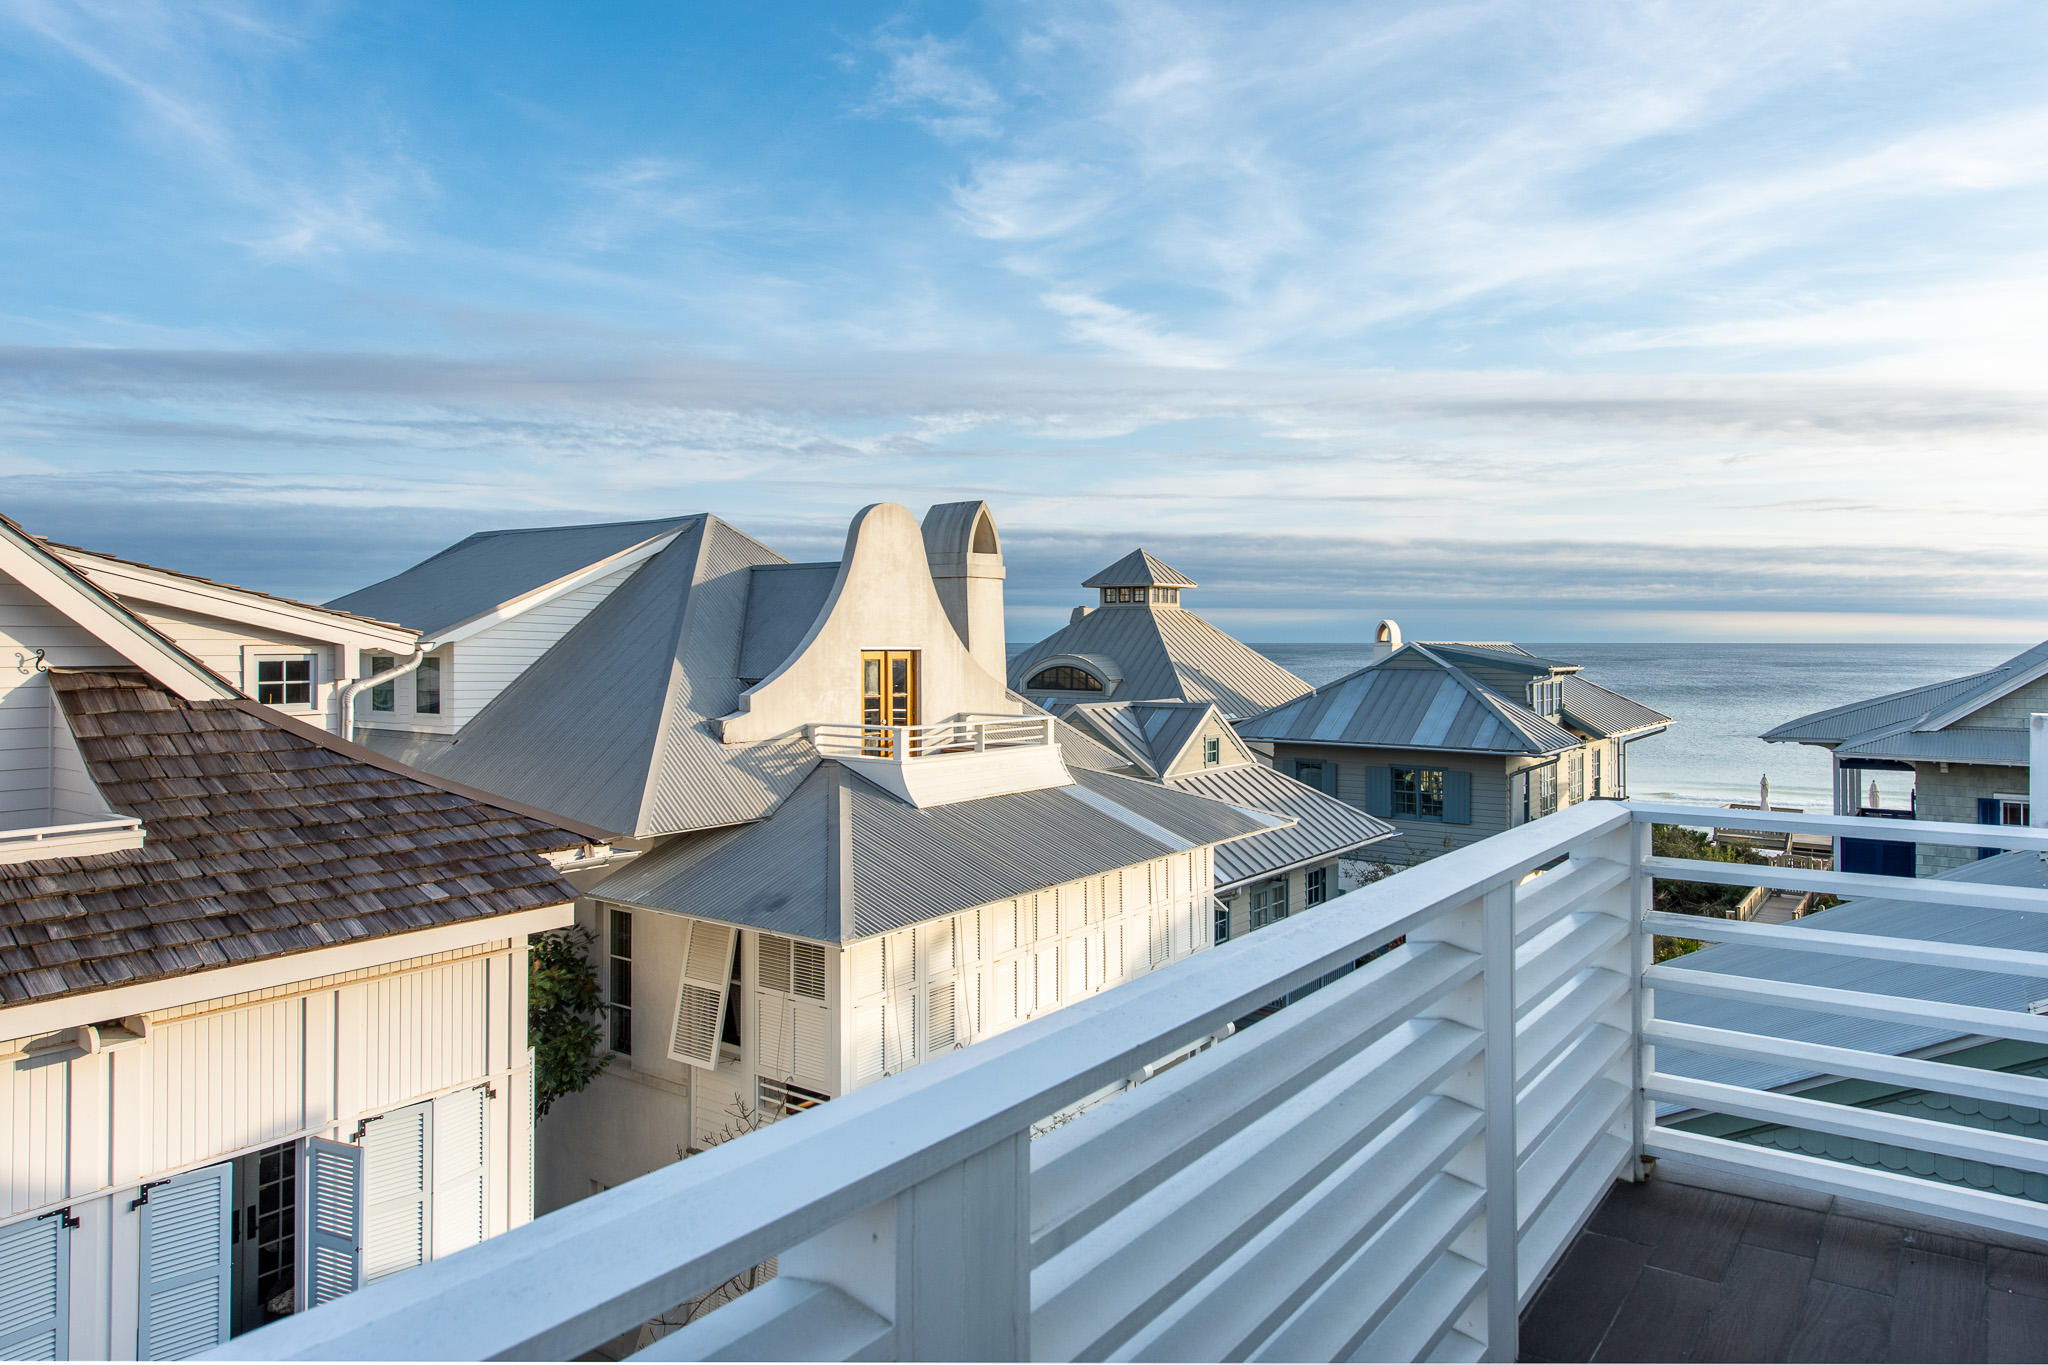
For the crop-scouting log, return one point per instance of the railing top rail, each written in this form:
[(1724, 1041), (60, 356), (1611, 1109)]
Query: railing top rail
[(33, 832), (551, 1288), (1851, 826)]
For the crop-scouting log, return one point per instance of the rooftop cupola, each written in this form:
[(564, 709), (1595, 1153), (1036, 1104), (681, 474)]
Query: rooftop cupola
[(1141, 579), (966, 559)]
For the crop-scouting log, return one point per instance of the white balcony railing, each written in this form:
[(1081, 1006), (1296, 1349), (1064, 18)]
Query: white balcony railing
[(960, 735), (1384, 1170)]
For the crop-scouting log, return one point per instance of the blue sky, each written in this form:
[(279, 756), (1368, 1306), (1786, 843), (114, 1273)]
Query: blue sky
[(1558, 321)]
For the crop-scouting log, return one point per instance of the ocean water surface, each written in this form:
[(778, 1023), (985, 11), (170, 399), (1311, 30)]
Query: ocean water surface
[(1720, 698)]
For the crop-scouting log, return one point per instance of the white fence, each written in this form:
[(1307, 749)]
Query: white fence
[(1384, 1170), (961, 734)]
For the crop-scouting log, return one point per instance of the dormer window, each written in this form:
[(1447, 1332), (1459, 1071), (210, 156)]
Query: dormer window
[(1063, 678), (1212, 752), (284, 680), (1546, 696)]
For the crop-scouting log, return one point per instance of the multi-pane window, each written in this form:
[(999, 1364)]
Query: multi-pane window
[(1539, 792), (1222, 914), (1212, 752), (426, 688), (1596, 772), (1418, 793), (1546, 696), (1064, 678), (384, 696), (2012, 811), (1318, 773), (1316, 886), (1269, 902), (620, 958), (1578, 778), (286, 681)]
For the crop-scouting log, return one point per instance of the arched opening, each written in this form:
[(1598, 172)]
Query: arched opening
[(984, 541), (1063, 678)]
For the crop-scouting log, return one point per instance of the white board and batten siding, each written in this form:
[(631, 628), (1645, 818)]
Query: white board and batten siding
[(486, 663), (337, 1058), (37, 785)]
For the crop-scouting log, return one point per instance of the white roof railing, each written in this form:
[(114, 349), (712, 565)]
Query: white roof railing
[(959, 735), (1386, 1169)]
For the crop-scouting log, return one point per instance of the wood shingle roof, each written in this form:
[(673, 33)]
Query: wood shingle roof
[(264, 838)]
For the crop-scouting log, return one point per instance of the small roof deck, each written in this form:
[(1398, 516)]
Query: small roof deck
[(1697, 1265)]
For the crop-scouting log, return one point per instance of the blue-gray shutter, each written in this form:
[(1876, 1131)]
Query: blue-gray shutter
[(186, 1264), (1988, 813), (35, 1284), (331, 1250), (1457, 797), (1379, 790)]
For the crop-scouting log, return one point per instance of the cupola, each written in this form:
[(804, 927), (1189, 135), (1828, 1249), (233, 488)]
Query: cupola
[(1139, 579)]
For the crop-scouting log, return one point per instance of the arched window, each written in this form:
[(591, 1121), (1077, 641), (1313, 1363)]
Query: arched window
[(1064, 678)]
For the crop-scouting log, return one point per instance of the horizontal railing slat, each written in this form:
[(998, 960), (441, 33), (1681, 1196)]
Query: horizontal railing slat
[(1846, 1120), (1944, 1078), (1898, 1009), (1920, 890), (1844, 826), (1882, 947)]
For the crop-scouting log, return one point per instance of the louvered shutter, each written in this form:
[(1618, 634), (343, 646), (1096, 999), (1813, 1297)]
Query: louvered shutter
[(1379, 790), (774, 1043), (1007, 991), (35, 1289), (1457, 798), (1077, 967), (459, 1157), (185, 1264), (870, 1050), (810, 1039), (1006, 926), (700, 994), (1045, 978), (772, 952), (807, 977), (939, 946), (397, 1215), (331, 1220), (942, 1028)]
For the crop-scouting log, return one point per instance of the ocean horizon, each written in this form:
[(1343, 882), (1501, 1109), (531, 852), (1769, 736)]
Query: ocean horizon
[(1720, 697)]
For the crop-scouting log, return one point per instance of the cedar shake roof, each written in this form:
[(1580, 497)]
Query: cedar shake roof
[(263, 839)]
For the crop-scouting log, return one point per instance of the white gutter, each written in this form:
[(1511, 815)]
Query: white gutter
[(345, 705)]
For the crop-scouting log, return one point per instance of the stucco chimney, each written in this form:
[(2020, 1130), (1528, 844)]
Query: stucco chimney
[(1386, 640), (966, 559)]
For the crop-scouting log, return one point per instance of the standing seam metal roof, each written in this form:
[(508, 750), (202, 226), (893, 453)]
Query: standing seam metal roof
[(1396, 704), (1910, 707), (1323, 828), (1599, 712), (1139, 569), (1168, 654)]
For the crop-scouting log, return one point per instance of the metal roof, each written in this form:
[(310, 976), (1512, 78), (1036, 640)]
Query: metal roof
[(1958, 744), (1151, 734), (1912, 708), (1139, 569), (2014, 929), (491, 568), (1602, 713), (1167, 653), (1497, 653), (1323, 826), (613, 724), (1412, 699), (904, 865), (783, 602)]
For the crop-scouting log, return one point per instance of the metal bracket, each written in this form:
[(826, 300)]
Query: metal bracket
[(21, 662), (490, 1092), (64, 1213), (142, 1194)]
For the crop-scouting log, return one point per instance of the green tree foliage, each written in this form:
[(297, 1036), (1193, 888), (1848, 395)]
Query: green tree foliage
[(1694, 898), (563, 1009)]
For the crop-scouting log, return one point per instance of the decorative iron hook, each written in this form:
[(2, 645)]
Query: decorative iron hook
[(21, 661)]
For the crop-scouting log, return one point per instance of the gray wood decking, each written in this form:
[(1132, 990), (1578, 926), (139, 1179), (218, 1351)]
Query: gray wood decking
[(1692, 1266)]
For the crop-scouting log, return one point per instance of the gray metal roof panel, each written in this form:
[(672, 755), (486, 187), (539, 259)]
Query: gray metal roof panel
[(1909, 706), (2013, 929), (1139, 569), (1413, 699), (783, 602), (1498, 654), (1168, 654), (1196, 819), (491, 568), (1324, 826), (1957, 744), (1601, 712)]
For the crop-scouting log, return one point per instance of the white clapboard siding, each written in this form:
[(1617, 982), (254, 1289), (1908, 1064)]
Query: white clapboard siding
[(186, 1264), (221, 645), (492, 658), (460, 1146), (35, 1289), (700, 994), (398, 1154), (27, 707), (331, 1249)]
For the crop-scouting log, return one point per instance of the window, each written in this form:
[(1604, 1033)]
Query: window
[(384, 696), (1596, 772), (729, 1031), (1539, 792), (1316, 886), (2012, 810), (1578, 778), (620, 959), (1064, 678), (1269, 902), (778, 1099), (888, 695), (1319, 773), (1546, 696), (285, 681), (1108, 596), (1222, 915), (426, 688), (1212, 752), (1419, 793)]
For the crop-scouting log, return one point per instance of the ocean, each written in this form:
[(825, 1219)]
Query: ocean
[(1719, 698)]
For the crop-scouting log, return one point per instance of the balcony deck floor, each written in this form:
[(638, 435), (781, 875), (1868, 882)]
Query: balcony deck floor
[(1695, 1266)]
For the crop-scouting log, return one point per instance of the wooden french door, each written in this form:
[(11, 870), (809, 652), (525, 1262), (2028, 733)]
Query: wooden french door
[(888, 695)]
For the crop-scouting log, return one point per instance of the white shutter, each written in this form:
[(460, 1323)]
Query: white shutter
[(811, 1038), (774, 1043), (970, 938), (35, 1288), (900, 959), (942, 1027), (1045, 978), (939, 947), (1009, 992), (397, 1157), (870, 1050), (700, 995), (1160, 922), (185, 1264), (1006, 926), (772, 951), (865, 967), (808, 971), (330, 1220), (459, 1148)]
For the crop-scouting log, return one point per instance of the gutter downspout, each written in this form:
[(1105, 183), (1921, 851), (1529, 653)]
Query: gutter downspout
[(346, 701)]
